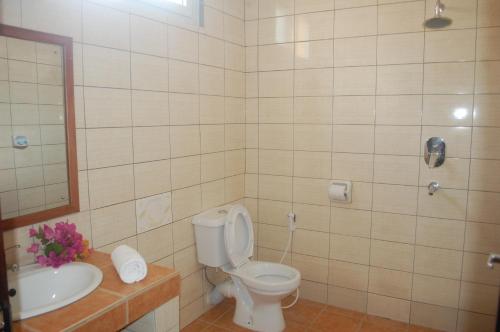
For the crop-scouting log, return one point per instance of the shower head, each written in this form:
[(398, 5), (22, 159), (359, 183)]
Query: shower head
[(438, 21)]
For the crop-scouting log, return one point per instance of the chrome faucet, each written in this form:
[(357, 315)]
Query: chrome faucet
[(433, 187), (493, 259)]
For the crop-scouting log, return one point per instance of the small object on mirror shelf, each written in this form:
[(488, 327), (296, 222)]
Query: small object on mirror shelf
[(20, 141), (59, 245)]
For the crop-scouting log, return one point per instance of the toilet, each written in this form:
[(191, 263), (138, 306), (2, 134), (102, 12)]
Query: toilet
[(224, 239)]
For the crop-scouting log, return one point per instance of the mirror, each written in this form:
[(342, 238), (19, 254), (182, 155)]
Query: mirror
[(38, 172)]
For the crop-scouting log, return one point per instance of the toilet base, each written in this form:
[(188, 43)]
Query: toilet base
[(264, 317)]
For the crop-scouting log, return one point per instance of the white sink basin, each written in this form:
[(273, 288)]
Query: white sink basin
[(43, 289)]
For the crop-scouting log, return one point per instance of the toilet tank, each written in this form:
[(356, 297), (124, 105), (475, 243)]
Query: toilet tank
[(209, 236)]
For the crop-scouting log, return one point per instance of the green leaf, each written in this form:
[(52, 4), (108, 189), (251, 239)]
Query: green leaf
[(56, 247)]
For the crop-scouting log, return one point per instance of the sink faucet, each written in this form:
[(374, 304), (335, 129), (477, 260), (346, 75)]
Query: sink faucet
[(493, 259), (433, 187)]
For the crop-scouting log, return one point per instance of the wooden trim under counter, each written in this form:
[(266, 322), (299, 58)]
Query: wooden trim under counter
[(111, 306)]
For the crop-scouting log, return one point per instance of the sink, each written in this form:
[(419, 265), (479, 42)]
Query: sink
[(43, 289)]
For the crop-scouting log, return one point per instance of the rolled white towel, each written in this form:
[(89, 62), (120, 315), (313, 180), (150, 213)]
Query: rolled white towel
[(129, 264)]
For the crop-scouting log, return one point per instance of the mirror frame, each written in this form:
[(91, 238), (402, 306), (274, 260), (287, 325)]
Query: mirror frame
[(74, 203)]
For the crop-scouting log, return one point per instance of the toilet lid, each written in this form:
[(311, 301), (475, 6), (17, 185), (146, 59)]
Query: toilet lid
[(238, 235)]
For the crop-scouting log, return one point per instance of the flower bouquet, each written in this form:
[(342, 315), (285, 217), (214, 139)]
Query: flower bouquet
[(59, 245)]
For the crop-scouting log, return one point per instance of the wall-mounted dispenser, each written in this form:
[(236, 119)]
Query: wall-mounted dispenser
[(340, 191), (435, 152)]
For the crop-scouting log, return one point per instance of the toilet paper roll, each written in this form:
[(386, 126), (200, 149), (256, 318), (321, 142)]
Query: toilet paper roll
[(336, 192)]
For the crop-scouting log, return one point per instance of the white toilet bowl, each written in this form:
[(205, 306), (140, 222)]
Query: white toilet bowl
[(266, 284), (224, 238)]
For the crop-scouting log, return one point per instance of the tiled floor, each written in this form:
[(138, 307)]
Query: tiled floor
[(304, 316)]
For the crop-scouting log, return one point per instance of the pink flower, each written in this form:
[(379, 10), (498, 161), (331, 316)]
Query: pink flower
[(33, 248), (60, 244), (32, 232), (48, 233)]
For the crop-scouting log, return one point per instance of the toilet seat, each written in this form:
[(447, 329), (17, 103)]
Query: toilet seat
[(238, 236), (268, 278)]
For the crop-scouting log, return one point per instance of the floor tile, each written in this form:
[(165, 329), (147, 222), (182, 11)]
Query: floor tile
[(335, 323)]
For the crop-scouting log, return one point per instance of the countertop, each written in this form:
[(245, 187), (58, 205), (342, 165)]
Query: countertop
[(111, 306)]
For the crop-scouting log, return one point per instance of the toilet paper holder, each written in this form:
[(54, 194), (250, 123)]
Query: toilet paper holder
[(340, 191)]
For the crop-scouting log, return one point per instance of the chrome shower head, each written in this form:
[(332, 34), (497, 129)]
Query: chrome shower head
[(438, 21)]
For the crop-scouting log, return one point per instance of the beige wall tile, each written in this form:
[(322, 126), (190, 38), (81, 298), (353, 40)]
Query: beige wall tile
[(350, 249), (361, 51), (314, 54), (469, 321), (107, 107), (397, 140), (113, 223), (484, 110), (276, 162), (276, 57), (313, 82), (311, 164), (451, 78), (311, 191), (391, 255), (481, 237), (400, 48), (276, 84), (474, 269), (354, 81), (401, 17), (399, 110), (432, 316), (393, 227), (395, 198), (311, 243), (453, 174), (148, 36), (311, 268), (156, 244), (447, 46), (350, 222), (275, 187), (438, 262), (312, 137), (347, 298), (449, 203), (304, 6), (311, 217), (152, 178), (388, 307), (390, 283), (314, 26), (106, 67), (487, 13), (366, 18), (479, 298), (482, 206), (396, 169), (116, 25), (441, 233), (144, 150), (353, 138), (448, 110), (483, 175), (399, 79), (276, 30), (354, 110), (110, 185), (109, 147), (357, 167), (349, 275), (433, 290), (487, 44)]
